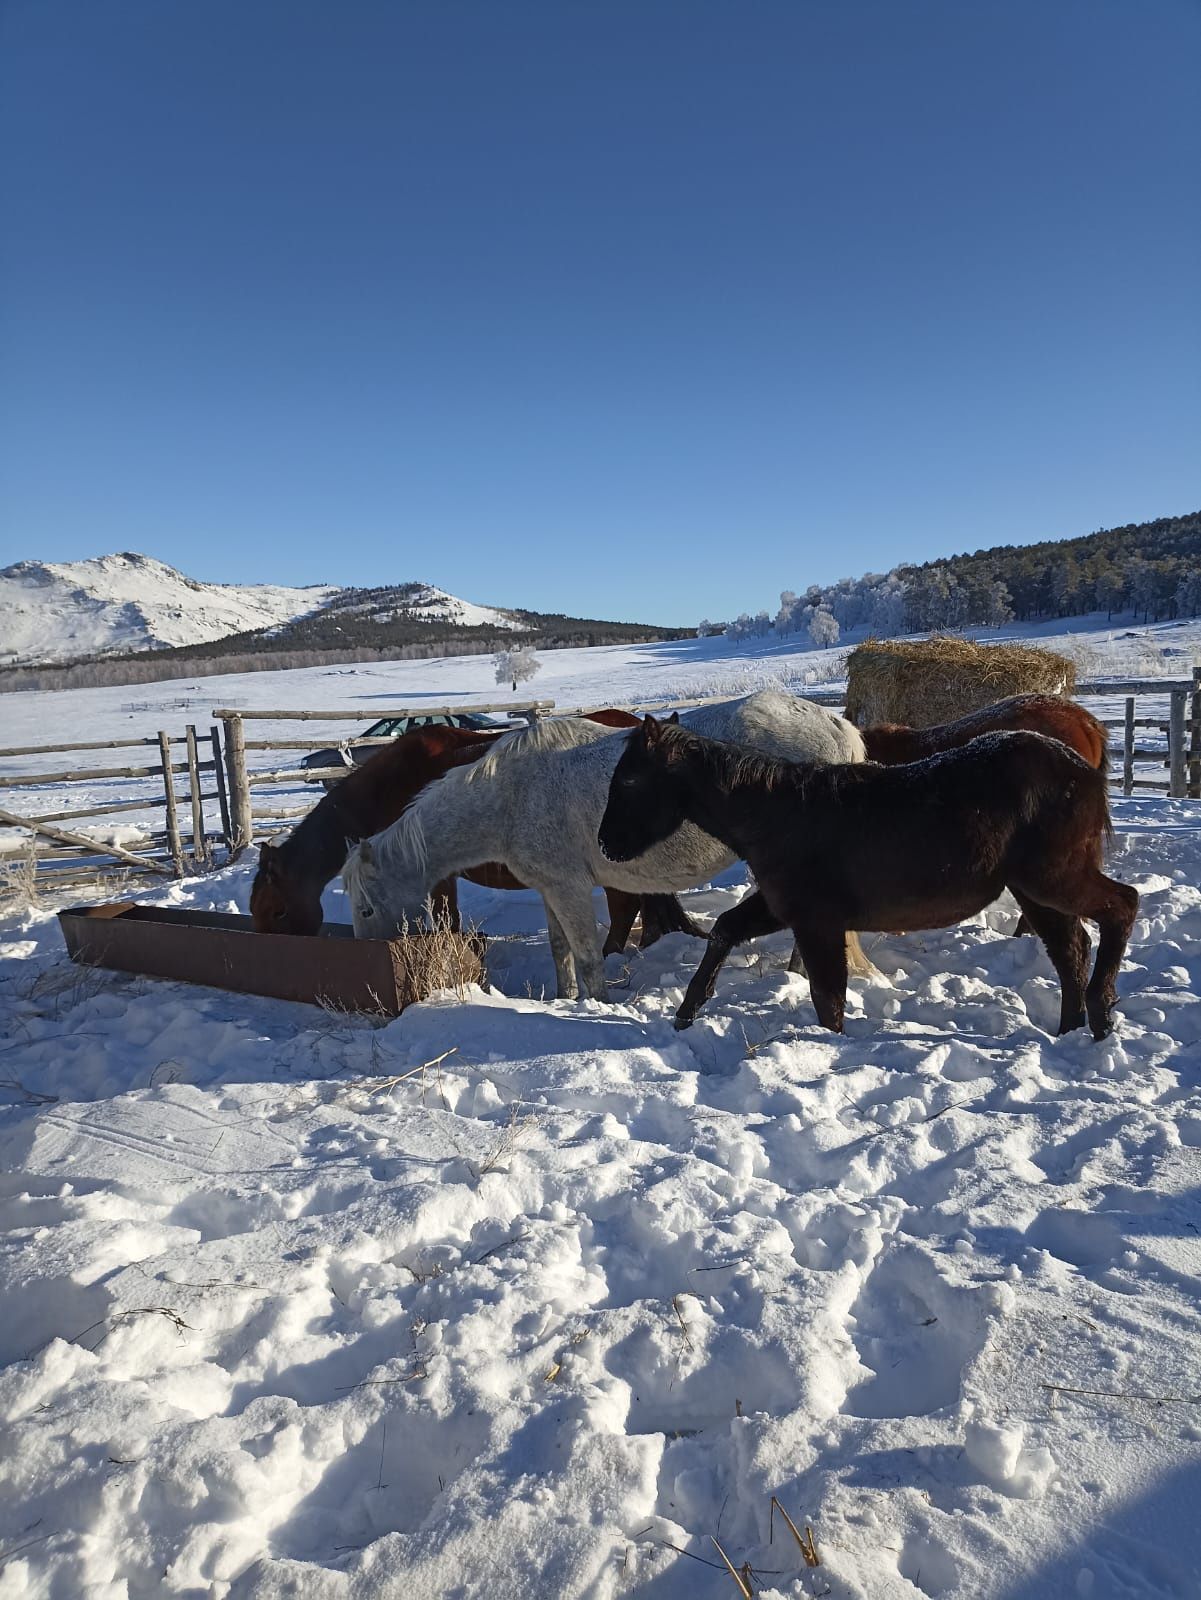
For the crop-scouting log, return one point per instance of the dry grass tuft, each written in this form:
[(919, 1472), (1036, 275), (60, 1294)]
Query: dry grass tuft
[(439, 957), (19, 879), (922, 682)]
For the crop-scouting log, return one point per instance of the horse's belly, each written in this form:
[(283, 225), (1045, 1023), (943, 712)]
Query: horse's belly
[(925, 908)]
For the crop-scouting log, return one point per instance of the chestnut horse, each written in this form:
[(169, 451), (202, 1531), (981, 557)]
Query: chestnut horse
[(923, 845), (892, 743), (285, 896)]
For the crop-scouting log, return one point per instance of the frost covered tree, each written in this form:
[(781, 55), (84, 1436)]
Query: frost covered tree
[(1188, 595), (516, 665), (823, 627)]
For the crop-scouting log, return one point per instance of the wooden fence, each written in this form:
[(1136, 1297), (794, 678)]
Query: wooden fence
[(64, 857), (254, 801)]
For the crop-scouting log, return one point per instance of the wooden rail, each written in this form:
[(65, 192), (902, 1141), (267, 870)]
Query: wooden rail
[(62, 855)]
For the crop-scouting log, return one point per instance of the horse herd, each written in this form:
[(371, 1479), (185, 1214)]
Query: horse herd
[(889, 829)]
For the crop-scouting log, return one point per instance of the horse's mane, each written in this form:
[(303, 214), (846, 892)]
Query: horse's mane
[(553, 733), (732, 765)]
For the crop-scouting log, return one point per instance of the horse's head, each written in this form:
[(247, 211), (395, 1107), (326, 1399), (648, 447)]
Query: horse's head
[(645, 802), (280, 901), (384, 904)]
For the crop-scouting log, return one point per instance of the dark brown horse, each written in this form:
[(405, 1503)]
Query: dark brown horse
[(892, 743), (285, 896), (865, 847)]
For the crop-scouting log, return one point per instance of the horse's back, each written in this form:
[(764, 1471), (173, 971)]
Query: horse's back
[(781, 725)]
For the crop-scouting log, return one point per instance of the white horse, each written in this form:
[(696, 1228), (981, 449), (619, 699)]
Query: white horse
[(535, 803)]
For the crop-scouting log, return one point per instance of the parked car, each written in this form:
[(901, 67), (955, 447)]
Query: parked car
[(391, 728)]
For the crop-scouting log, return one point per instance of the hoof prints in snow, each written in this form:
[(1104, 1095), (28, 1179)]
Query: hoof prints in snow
[(592, 1289), (915, 1335)]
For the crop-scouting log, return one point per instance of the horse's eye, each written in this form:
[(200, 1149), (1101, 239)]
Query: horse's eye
[(281, 916), (366, 911)]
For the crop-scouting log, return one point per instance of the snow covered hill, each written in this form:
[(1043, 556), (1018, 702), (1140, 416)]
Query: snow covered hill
[(118, 604), (53, 610)]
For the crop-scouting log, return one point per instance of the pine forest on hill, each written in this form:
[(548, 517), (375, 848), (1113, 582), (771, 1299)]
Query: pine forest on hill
[(1149, 569)]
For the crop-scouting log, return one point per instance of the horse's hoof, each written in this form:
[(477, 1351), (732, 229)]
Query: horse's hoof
[(681, 1022), (1070, 1027)]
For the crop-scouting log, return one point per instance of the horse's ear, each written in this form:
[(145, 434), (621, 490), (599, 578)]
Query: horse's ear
[(266, 858), (366, 855), (674, 719), (651, 730)]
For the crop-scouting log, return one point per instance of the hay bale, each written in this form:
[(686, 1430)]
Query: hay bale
[(922, 682)]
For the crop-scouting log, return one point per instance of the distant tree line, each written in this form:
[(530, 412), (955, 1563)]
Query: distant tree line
[(257, 652), (1151, 570)]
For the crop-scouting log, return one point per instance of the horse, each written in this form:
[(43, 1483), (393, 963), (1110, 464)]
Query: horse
[(535, 802), (285, 896), (892, 743), (922, 845)]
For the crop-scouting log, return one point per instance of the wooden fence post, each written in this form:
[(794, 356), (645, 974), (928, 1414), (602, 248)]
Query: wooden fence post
[(219, 775), (200, 845), (173, 839), (1177, 716), (1128, 749), (239, 787), (1194, 743)]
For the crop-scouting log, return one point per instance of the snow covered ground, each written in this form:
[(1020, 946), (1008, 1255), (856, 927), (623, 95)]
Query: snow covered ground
[(288, 1315)]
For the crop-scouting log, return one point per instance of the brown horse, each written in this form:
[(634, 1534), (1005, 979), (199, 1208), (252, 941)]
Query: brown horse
[(886, 848), (285, 896), (892, 743)]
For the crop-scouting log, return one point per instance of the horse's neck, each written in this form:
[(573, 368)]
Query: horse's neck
[(319, 845), (463, 826), (720, 805)]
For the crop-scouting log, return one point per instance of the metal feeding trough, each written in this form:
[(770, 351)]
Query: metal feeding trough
[(223, 951)]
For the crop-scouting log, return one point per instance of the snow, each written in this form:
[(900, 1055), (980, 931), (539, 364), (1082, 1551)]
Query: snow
[(443, 607), (50, 610), (55, 610), (287, 1315)]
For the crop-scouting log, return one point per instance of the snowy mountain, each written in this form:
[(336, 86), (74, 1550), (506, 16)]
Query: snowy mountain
[(121, 604)]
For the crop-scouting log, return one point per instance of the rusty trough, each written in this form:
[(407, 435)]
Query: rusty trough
[(221, 950)]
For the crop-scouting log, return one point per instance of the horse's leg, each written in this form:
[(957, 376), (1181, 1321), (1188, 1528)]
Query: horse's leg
[(749, 919), (623, 908), (825, 955), (572, 904), (1025, 925), (444, 904), (858, 963), (1114, 911), (1067, 945), (560, 950), (1083, 890), (663, 914)]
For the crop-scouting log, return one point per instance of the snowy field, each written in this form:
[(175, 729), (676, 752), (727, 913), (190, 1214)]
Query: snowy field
[(290, 1312)]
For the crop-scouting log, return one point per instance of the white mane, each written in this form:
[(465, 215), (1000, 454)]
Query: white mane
[(553, 733)]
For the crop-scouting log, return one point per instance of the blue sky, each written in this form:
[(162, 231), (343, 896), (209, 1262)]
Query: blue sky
[(635, 309)]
